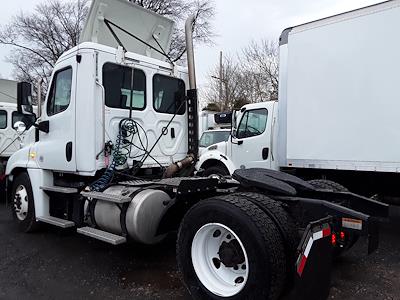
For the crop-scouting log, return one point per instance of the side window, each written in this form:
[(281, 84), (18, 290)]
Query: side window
[(168, 95), (60, 92), (28, 120), (253, 123), (124, 86), (3, 119)]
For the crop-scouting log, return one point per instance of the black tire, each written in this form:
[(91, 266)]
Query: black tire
[(216, 170), (284, 222), (325, 184), (259, 235), (29, 224)]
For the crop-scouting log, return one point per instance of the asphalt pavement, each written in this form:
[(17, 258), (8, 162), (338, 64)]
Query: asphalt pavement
[(54, 264)]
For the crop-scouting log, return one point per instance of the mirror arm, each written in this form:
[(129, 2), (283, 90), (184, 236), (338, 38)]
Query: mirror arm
[(43, 126)]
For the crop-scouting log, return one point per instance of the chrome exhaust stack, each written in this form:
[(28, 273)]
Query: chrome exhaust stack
[(190, 51)]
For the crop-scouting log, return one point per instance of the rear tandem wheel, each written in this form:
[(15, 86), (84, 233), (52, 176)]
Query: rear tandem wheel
[(228, 247)]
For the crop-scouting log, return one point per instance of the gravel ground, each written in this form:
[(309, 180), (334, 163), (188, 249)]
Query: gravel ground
[(53, 264)]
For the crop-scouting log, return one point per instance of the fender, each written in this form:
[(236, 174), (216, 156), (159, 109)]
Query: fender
[(216, 155), (23, 158)]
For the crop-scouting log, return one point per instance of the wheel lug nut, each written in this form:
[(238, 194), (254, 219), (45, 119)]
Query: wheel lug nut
[(239, 280), (216, 233), (216, 262)]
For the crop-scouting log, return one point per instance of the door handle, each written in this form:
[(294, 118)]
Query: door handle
[(265, 153), (68, 151)]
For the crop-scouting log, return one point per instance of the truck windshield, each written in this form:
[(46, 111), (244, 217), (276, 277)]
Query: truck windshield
[(253, 123), (213, 137), (3, 119)]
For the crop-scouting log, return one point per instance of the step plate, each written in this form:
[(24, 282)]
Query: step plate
[(106, 197), (59, 189), (102, 235), (56, 222)]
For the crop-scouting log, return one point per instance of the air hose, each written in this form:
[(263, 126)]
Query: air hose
[(127, 129)]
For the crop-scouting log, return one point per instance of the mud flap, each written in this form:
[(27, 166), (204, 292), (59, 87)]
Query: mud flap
[(314, 262)]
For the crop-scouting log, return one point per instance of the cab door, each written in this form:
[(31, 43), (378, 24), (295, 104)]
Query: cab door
[(56, 148), (251, 147)]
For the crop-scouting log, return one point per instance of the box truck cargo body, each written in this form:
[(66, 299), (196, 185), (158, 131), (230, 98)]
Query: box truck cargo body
[(342, 94), (338, 111), (340, 100)]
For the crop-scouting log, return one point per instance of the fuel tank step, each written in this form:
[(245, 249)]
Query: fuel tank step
[(59, 189), (107, 197), (102, 235), (56, 221)]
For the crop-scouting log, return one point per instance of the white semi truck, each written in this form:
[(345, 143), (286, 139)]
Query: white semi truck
[(336, 117), (10, 136), (113, 154)]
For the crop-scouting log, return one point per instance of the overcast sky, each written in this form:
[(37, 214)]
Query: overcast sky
[(236, 24)]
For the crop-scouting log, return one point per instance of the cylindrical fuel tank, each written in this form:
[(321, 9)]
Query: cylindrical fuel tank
[(142, 216)]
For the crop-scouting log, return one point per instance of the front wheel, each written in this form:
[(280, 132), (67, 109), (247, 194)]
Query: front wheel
[(227, 247), (23, 207)]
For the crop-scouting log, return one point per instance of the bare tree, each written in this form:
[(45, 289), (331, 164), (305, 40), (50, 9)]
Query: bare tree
[(232, 82), (41, 37), (251, 77), (179, 10), (262, 61)]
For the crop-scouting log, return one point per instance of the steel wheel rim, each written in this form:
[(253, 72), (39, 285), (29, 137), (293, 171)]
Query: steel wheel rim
[(20, 202), (220, 279)]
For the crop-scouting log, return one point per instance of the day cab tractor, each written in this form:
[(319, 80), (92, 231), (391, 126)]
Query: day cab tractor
[(113, 154)]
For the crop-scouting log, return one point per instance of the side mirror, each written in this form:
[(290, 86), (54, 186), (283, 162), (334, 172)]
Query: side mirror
[(19, 127), (24, 98)]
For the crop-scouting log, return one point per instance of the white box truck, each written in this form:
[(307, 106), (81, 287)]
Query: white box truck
[(337, 114), (112, 156)]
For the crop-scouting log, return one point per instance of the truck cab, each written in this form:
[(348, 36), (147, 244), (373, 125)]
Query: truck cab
[(101, 82), (250, 144)]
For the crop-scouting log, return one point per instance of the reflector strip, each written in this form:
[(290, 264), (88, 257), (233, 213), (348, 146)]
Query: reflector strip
[(308, 248), (326, 232), (302, 264), (318, 235), (313, 236)]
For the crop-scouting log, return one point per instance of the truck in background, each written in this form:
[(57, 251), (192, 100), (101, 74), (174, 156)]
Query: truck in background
[(10, 135), (209, 120), (112, 156), (337, 117)]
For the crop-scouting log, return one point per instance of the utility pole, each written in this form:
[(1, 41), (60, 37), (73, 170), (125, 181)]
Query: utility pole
[(221, 79)]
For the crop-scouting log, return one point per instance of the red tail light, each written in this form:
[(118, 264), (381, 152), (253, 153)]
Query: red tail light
[(342, 235), (333, 239)]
